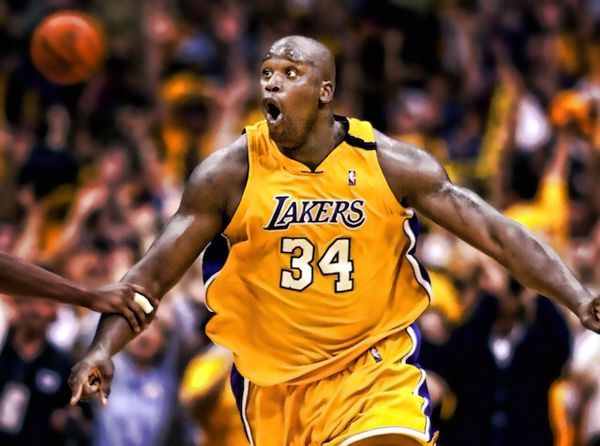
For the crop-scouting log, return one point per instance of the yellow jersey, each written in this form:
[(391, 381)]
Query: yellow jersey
[(321, 263)]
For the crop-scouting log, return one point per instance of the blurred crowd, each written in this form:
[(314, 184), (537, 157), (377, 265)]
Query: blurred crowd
[(505, 93)]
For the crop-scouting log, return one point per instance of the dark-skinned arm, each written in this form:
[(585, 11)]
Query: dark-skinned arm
[(200, 217), (20, 278), (416, 177)]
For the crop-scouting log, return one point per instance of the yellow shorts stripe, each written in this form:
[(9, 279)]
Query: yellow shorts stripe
[(244, 415)]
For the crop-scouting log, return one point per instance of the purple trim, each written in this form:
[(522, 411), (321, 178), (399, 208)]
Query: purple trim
[(414, 357), (423, 391), (214, 258), (413, 222), (237, 386)]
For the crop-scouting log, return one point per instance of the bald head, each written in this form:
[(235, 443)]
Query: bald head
[(305, 50)]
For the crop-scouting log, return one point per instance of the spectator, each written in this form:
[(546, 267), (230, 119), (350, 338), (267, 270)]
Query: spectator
[(500, 364), (34, 393), (143, 409)]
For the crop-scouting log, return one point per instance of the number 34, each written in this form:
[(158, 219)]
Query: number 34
[(336, 260)]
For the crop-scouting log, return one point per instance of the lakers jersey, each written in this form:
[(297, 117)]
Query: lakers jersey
[(321, 263)]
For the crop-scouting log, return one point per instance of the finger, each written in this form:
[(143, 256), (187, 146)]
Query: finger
[(76, 380), (104, 391), (148, 296), (138, 311), (592, 323), (143, 302), (90, 388), (76, 395), (155, 302), (594, 326), (84, 385), (130, 316)]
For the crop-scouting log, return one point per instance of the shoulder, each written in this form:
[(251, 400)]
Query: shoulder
[(223, 164), (407, 168), (403, 157), (221, 174)]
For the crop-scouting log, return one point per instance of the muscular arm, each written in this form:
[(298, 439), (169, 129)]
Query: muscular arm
[(21, 278), (417, 178), (209, 198)]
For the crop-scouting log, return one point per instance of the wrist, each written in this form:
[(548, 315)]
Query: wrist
[(83, 297), (70, 293), (98, 351), (582, 306)]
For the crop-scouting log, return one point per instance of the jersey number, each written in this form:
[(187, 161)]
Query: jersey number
[(336, 261)]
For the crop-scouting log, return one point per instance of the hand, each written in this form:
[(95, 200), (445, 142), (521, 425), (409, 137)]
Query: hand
[(118, 298), (589, 313), (91, 375)]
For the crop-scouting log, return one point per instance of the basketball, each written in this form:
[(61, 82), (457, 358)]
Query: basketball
[(67, 47)]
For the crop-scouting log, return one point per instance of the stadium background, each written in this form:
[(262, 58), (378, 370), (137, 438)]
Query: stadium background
[(505, 93)]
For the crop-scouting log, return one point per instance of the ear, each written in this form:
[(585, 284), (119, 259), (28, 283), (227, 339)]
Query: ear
[(326, 94)]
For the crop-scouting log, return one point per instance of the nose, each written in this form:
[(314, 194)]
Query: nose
[(273, 84)]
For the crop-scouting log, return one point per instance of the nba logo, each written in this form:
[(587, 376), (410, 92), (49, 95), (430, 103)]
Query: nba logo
[(352, 178)]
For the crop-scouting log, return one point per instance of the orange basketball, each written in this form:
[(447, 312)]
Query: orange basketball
[(67, 47)]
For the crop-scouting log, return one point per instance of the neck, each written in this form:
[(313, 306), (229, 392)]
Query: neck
[(324, 136)]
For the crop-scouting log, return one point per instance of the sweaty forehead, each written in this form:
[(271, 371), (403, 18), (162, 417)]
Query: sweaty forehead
[(289, 52)]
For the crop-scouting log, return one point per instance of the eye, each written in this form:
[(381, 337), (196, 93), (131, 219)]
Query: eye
[(291, 73), (266, 73)]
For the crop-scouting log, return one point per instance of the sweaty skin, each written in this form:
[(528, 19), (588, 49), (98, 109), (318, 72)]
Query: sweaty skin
[(296, 87), (19, 278)]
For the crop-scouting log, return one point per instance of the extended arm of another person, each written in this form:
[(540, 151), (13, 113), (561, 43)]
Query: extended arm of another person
[(423, 183), (20, 278), (197, 221)]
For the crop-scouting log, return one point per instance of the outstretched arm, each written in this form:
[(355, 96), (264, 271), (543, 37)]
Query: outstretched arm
[(416, 177), (205, 205), (20, 278)]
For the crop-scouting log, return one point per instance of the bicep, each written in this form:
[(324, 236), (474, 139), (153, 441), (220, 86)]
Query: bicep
[(197, 221), (173, 252)]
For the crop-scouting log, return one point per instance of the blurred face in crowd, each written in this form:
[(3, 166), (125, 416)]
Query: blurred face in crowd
[(33, 316), (194, 115), (8, 236), (512, 301), (434, 326), (145, 349), (413, 112), (86, 267), (114, 166), (120, 260)]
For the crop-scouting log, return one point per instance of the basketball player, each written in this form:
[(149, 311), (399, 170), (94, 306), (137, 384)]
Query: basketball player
[(318, 297), (19, 278)]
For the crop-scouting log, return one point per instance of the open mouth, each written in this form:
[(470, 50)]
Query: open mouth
[(272, 112)]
